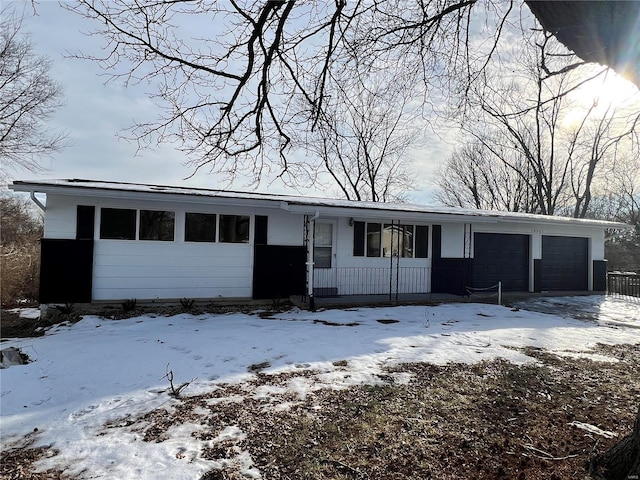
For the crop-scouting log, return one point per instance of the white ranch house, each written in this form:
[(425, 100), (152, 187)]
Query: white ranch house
[(109, 241)]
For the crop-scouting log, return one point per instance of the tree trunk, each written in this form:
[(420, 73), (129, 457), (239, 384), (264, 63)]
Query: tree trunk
[(622, 462)]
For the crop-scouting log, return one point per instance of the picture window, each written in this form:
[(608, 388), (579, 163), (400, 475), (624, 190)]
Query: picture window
[(234, 228), (157, 225), (376, 240), (200, 227), (118, 223)]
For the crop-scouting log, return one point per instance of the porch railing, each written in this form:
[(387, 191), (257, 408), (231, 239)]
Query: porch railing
[(371, 281), (627, 283)]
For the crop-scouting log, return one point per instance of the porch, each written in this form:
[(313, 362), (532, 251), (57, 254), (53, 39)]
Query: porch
[(388, 282)]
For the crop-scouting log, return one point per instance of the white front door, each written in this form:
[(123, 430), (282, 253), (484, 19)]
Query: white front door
[(324, 271)]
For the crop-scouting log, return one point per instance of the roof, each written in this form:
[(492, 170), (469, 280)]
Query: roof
[(293, 203)]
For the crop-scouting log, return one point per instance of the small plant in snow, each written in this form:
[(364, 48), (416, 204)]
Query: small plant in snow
[(187, 303), (129, 305), (173, 390), (66, 309)]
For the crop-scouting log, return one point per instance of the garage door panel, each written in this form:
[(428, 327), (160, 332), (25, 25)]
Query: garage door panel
[(564, 263), (501, 257)]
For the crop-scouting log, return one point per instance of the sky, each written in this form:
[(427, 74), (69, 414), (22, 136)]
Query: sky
[(98, 372), (95, 113)]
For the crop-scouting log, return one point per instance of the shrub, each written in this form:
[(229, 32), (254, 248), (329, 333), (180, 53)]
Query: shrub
[(19, 251), (129, 305)]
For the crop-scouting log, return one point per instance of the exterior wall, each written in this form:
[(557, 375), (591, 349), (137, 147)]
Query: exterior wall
[(352, 275), (150, 270), (452, 240), (595, 236), (60, 218), (284, 227)]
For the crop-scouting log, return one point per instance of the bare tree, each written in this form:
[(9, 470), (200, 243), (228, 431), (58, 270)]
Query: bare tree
[(28, 97), (475, 177), (518, 118), (232, 101), (363, 137)]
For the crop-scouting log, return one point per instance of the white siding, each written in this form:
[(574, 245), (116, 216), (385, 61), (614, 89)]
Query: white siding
[(60, 218), (149, 270), (284, 228), (169, 270), (452, 240)]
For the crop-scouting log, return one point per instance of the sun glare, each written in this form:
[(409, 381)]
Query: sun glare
[(607, 90)]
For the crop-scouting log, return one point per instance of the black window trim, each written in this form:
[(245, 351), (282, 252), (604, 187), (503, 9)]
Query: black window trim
[(364, 253)]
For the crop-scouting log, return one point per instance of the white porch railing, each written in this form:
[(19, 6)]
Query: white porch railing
[(371, 280)]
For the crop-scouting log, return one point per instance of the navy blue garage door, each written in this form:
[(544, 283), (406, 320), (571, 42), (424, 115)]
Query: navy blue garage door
[(501, 257), (564, 263)]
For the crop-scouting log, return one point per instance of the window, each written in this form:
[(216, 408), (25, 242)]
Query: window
[(358, 239), (200, 227), (118, 223), (85, 219), (405, 240), (322, 245), (234, 228), (375, 240), (157, 225), (261, 234), (422, 241)]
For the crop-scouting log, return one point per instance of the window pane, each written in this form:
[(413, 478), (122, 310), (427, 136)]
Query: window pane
[(422, 241), (261, 232), (157, 225), (118, 223), (373, 239), (199, 227), (323, 235), (405, 233), (390, 240), (322, 257), (358, 239), (234, 228)]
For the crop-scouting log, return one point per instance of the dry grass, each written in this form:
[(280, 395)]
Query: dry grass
[(20, 267)]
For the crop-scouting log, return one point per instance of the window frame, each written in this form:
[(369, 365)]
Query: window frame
[(199, 230), (104, 235), (155, 231), (222, 232), (322, 247), (400, 233)]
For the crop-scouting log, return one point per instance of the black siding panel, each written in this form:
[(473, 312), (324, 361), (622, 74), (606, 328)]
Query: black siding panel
[(66, 271), (262, 229), (448, 275), (85, 222), (279, 271)]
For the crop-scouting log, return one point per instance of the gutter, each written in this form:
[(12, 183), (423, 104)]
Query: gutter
[(32, 195)]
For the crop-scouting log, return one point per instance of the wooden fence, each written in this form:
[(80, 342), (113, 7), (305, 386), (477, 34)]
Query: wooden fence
[(623, 283)]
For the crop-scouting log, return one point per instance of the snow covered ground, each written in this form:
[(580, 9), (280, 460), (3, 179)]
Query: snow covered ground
[(97, 371)]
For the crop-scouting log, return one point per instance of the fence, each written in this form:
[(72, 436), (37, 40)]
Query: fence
[(370, 280), (623, 283)]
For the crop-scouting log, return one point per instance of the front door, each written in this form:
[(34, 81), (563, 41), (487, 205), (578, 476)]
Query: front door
[(324, 271)]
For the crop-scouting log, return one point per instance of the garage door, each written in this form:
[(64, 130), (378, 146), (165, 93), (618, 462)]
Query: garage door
[(501, 257), (564, 263)]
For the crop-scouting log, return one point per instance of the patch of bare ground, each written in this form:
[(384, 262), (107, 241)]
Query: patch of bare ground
[(16, 461), (490, 420)]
